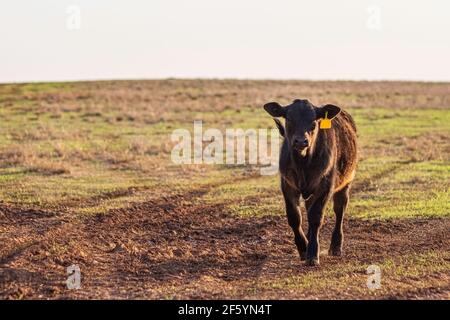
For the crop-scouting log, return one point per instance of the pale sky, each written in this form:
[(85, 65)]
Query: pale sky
[(46, 40)]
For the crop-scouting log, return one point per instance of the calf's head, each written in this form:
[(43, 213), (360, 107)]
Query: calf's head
[(301, 121)]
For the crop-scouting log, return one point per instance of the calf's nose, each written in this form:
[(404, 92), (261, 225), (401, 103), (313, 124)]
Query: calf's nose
[(300, 142)]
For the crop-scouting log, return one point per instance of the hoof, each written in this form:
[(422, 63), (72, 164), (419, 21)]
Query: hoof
[(302, 256), (336, 252), (312, 262)]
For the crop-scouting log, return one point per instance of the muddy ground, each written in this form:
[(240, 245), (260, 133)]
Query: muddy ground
[(174, 248)]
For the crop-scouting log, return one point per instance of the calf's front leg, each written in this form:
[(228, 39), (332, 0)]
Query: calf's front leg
[(315, 218), (291, 198)]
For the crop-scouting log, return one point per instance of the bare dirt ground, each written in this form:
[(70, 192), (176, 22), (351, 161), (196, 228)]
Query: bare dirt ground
[(174, 248)]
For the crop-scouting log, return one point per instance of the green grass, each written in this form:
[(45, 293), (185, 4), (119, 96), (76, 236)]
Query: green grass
[(394, 189), (70, 142), (88, 148), (382, 123), (402, 273)]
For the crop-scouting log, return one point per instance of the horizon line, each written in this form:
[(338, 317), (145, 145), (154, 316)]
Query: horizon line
[(106, 79)]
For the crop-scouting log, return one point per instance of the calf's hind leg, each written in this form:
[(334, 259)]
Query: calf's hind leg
[(340, 202), (291, 198)]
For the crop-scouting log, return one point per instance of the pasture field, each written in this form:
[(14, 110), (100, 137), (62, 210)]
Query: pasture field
[(86, 178)]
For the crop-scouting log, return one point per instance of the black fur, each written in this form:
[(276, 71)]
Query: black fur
[(317, 164)]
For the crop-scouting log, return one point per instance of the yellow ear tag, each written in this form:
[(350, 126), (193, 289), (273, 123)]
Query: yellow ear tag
[(325, 123)]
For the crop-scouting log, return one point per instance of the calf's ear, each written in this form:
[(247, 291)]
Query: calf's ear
[(329, 110), (279, 126), (275, 109)]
